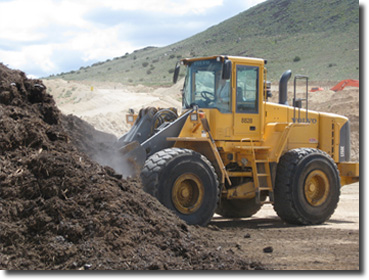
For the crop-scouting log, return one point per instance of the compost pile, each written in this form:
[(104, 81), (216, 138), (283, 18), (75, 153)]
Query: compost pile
[(61, 210)]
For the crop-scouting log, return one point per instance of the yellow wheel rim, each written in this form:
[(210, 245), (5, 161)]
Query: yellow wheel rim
[(187, 193), (316, 188)]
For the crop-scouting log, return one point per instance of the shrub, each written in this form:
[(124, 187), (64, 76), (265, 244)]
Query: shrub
[(297, 58)]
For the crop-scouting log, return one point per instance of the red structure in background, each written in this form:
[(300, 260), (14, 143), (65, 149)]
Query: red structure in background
[(314, 89), (345, 83)]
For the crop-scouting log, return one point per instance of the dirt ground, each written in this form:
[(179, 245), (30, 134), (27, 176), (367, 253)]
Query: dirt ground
[(331, 246), (105, 105)]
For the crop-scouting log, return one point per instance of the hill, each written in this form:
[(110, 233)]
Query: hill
[(315, 38)]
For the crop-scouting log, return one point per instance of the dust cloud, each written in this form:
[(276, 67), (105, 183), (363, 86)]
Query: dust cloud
[(100, 146)]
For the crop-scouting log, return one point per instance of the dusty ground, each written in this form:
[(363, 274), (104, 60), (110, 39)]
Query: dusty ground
[(331, 246), (264, 237), (105, 105)]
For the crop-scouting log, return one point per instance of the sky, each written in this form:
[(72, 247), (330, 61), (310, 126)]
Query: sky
[(44, 37)]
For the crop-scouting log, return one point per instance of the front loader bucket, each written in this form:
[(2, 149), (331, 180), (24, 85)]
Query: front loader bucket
[(134, 155)]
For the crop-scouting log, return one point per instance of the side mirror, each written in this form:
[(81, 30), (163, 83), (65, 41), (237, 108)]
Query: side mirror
[(227, 69), (176, 73)]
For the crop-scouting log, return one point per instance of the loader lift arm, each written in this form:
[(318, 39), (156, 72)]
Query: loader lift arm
[(145, 138)]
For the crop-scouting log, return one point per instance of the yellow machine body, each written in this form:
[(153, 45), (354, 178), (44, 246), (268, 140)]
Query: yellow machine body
[(255, 140), (231, 150)]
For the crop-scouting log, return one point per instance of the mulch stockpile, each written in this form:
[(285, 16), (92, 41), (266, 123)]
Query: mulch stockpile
[(61, 210)]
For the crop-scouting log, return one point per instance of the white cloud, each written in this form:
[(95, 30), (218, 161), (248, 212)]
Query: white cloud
[(50, 36), (99, 43), (24, 20), (31, 55), (179, 7)]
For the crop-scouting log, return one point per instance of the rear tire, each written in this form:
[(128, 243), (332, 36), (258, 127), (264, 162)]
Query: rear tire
[(238, 208), (307, 187), (183, 181)]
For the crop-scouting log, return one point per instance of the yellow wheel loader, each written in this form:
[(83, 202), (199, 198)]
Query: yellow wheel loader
[(231, 151)]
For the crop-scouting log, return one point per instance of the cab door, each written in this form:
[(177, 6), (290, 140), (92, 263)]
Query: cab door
[(247, 121)]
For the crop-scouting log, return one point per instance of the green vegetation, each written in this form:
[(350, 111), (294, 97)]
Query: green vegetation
[(315, 38)]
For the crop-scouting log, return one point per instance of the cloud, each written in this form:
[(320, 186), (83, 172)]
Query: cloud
[(178, 7), (22, 20), (143, 28), (43, 37), (106, 43), (33, 59)]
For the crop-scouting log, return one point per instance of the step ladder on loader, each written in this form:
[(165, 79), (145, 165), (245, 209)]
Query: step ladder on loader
[(261, 172)]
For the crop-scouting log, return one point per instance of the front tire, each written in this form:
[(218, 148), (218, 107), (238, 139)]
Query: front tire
[(307, 187), (183, 181)]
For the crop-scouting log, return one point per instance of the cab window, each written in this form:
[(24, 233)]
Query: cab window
[(247, 89), (205, 87)]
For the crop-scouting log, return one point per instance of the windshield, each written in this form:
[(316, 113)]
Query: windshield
[(205, 87)]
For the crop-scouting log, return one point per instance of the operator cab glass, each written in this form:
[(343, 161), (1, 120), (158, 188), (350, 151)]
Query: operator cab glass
[(247, 89), (205, 87)]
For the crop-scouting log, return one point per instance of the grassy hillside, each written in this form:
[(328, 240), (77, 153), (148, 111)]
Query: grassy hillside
[(310, 37)]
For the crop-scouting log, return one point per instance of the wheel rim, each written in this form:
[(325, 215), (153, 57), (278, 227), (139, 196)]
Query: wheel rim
[(187, 193), (316, 188)]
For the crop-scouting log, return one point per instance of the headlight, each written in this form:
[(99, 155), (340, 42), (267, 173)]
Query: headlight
[(130, 119), (193, 117)]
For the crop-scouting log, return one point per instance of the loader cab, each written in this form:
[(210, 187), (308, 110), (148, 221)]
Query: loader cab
[(205, 87), (230, 91)]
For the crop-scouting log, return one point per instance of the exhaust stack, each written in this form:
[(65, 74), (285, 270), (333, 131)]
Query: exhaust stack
[(283, 87)]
